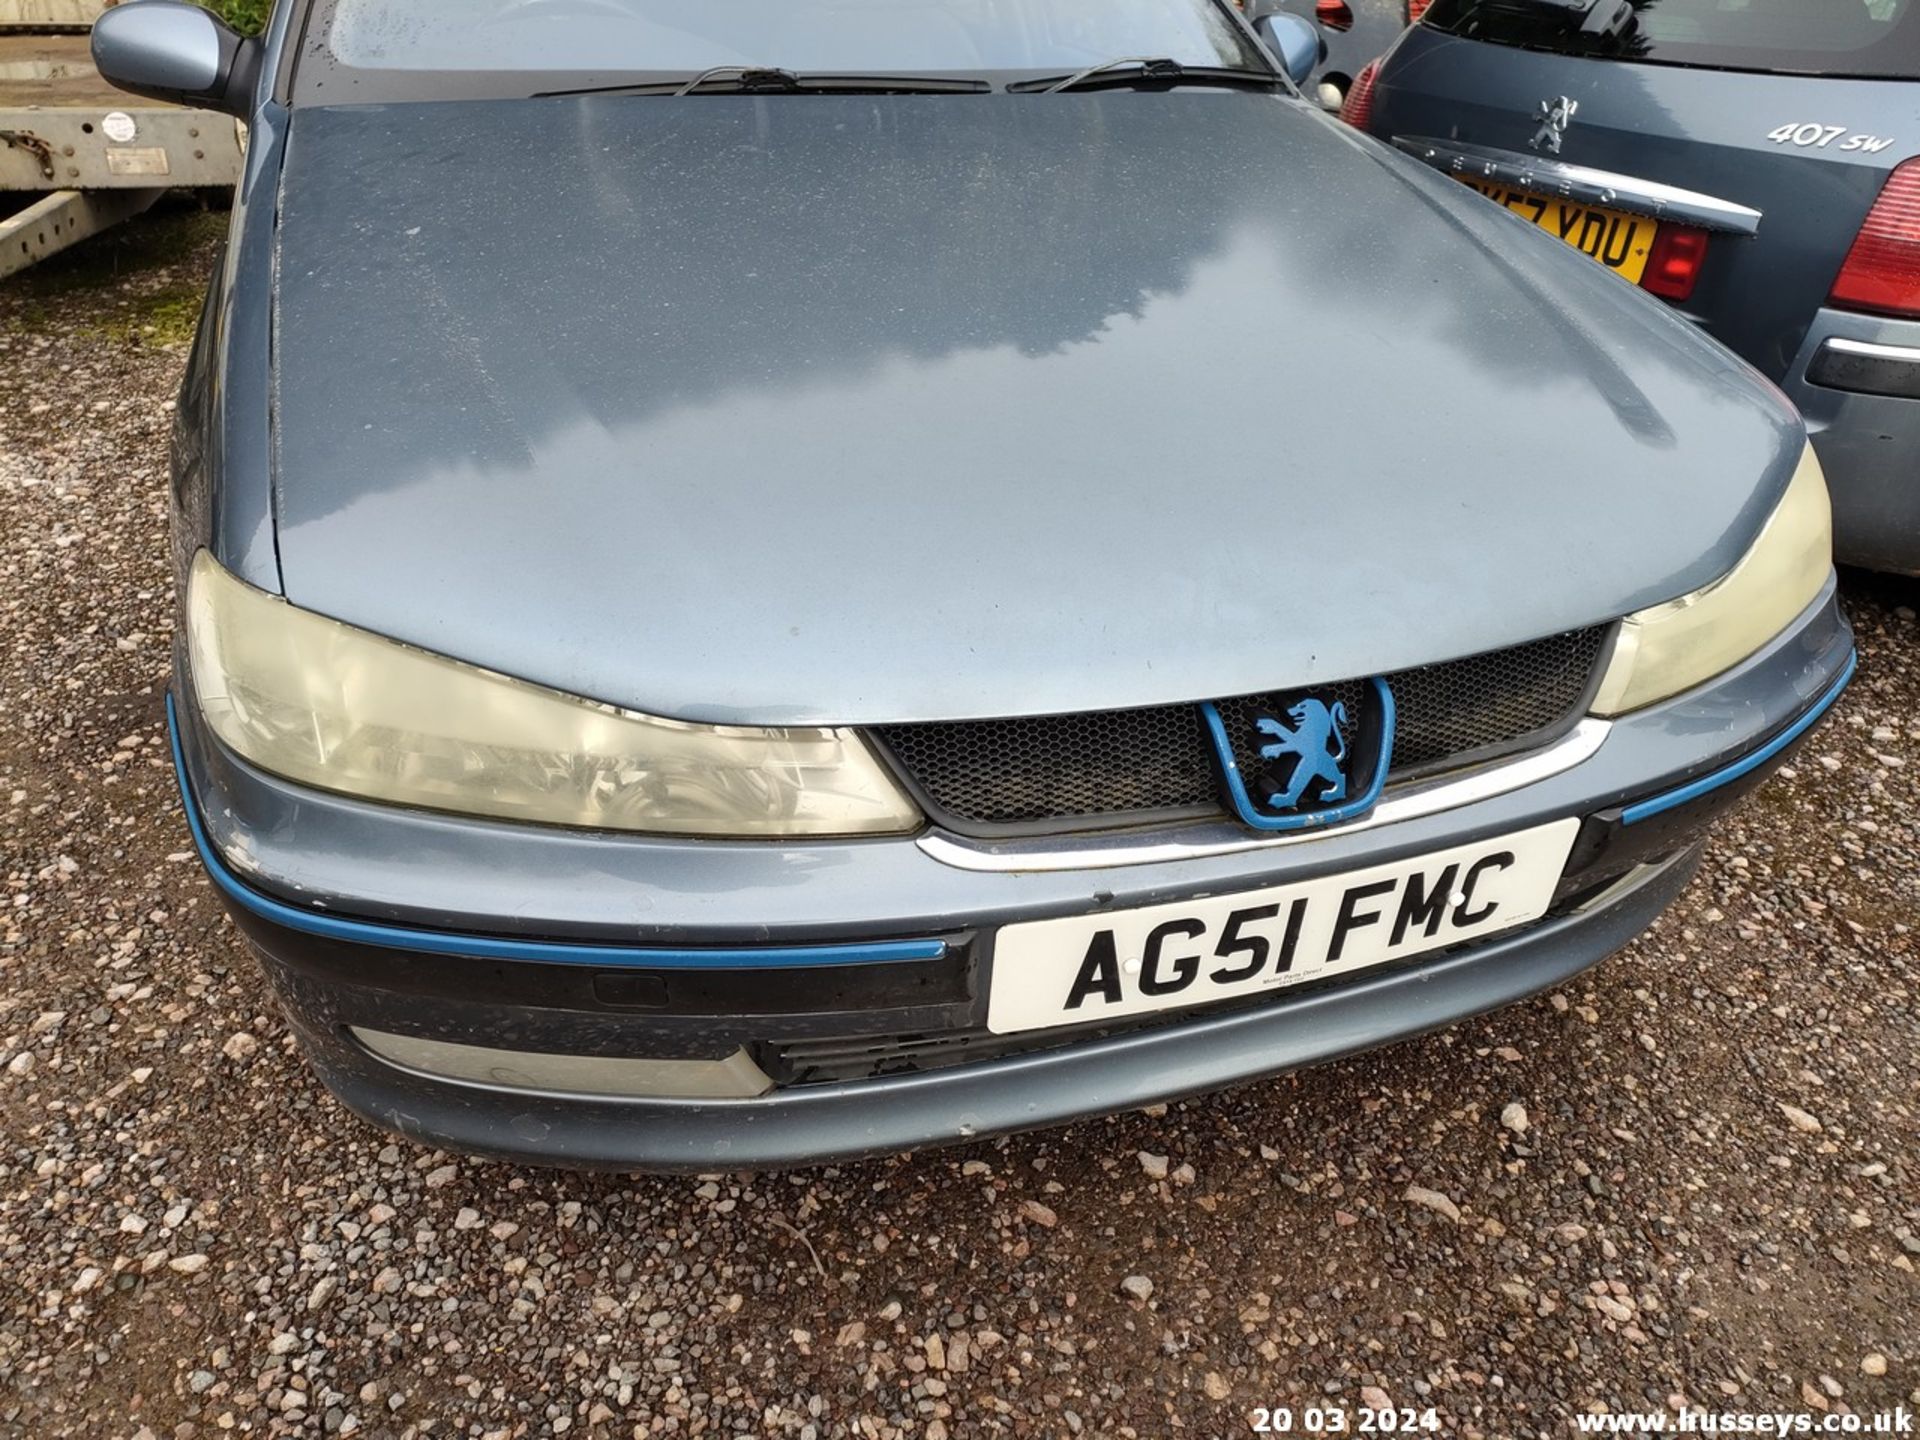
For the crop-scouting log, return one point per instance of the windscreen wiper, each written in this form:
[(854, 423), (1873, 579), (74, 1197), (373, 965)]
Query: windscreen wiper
[(769, 80), (1132, 69)]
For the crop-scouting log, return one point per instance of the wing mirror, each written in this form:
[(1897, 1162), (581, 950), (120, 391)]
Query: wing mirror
[(1295, 39), (170, 51)]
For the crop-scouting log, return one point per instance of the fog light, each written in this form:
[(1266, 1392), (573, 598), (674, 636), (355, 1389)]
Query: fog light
[(732, 1077)]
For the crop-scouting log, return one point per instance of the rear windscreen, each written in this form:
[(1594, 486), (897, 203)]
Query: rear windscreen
[(1879, 38)]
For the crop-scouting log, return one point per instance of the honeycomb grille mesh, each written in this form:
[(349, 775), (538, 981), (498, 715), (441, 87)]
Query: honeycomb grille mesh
[(1462, 712), (1045, 767), (1119, 766)]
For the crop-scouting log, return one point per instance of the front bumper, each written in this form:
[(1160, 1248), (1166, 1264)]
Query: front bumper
[(812, 1123), (1856, 380), (835, 963)]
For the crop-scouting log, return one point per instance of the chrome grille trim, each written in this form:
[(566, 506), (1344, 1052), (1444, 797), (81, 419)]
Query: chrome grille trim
[(1107, 771), (1155, 847)]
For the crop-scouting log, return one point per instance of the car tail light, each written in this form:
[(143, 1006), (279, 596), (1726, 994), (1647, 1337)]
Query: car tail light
[(1357, 108), (1882, 270), (1673, 265), (1415, 9), (1333, 14)]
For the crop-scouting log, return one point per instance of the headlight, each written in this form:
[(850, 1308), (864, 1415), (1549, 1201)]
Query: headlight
[(336, 707), (1675, 646)]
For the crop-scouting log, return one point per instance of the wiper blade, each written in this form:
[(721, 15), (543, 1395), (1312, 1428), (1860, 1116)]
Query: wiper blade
[(770, 80), (1130, 69)]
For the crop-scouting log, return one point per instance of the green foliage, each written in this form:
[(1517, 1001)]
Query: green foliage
[(249, 17), (140, 282)]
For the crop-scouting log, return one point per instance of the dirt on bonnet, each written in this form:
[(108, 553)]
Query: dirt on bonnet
[(1690, 1178)]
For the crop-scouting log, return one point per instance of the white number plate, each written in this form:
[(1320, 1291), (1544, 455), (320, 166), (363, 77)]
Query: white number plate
[(1087, 968)]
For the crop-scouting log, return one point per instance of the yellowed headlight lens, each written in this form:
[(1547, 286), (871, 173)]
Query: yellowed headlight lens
[(337, 707), (1669, 648)]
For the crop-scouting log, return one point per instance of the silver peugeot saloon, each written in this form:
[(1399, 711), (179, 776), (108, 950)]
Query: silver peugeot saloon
[(795, 579)]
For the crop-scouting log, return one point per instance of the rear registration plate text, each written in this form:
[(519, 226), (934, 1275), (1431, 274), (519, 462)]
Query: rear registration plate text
[(1619, 241)]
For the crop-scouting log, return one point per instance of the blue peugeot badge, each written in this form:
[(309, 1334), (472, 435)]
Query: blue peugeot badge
[(1304, 758), (1318, 744)]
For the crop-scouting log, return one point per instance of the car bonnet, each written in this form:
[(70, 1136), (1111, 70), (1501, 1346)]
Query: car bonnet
[(803, 409)]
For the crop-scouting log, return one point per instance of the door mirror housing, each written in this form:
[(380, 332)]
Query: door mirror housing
[(1296, 40), (166, 50)]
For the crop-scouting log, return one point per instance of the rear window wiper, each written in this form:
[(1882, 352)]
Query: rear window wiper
[(769, 80), (1131, 69)]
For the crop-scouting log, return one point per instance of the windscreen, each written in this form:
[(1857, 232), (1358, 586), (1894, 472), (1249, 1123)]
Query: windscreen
[(388, 49), (1877, 38)]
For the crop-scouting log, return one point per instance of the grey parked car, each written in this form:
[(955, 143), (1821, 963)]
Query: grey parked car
[(1750, 161), (732, 616)]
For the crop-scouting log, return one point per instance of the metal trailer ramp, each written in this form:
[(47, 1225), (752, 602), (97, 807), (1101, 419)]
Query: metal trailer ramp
[(96, 154)]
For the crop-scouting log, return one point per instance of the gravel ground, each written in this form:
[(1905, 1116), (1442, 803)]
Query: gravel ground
[(1693, 1177)]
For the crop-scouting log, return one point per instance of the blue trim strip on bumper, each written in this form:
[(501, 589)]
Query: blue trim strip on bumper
[(1746, 764), (552, 952)]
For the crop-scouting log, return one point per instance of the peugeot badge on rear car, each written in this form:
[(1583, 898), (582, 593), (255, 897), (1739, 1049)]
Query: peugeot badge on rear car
[(1555, 115)]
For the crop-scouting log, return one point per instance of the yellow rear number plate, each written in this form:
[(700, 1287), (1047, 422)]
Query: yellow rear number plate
[(1616, 239)]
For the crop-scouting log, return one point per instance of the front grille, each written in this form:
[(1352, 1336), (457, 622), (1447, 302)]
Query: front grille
[(1043, 767), (1506, 700), (1116, 767)]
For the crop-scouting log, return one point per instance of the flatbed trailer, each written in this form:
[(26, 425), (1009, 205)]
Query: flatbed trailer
[(95, 154)]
